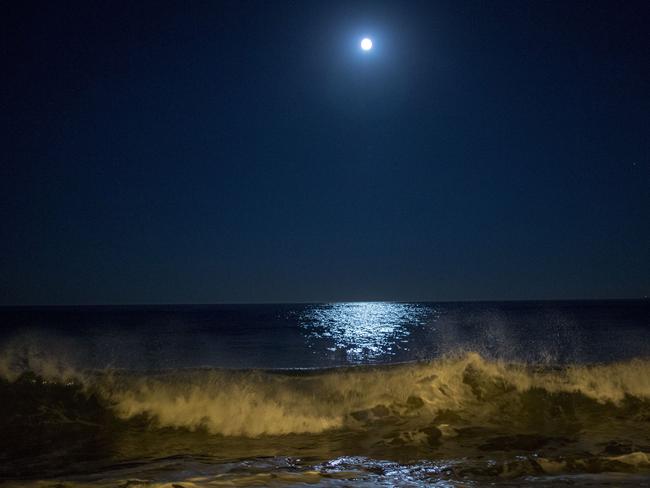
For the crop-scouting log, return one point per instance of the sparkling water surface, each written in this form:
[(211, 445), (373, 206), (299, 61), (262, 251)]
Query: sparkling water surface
[(323, 335)]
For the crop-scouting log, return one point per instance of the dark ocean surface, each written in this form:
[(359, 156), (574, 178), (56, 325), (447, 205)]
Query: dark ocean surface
[(340, 394)]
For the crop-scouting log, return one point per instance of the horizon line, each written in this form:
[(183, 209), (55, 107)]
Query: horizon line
[(316, 302)]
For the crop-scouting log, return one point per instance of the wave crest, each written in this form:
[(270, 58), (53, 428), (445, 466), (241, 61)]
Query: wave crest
[(463, 390)]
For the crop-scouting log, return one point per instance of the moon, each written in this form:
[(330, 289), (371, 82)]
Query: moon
[(366, 44)]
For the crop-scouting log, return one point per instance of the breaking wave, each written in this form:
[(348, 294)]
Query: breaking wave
[(448, 393)]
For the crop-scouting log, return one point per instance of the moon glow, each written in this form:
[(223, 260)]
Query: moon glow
[(366, 44)]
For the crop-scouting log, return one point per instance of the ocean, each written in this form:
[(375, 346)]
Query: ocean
[(552, 393)]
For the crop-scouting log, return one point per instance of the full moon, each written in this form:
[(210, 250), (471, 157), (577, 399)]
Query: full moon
[(366, 44)]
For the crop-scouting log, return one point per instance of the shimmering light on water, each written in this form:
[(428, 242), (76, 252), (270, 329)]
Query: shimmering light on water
[(363, 331)]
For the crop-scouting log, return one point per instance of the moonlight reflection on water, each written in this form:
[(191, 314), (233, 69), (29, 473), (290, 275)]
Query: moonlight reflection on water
[(363, 331)]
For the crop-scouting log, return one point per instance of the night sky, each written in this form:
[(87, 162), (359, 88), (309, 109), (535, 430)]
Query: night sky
[(204, 152)]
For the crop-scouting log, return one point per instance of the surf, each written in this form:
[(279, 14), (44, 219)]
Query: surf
[(469, 388)]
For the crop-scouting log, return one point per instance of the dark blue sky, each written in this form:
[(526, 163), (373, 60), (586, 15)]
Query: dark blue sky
[(201, 152)]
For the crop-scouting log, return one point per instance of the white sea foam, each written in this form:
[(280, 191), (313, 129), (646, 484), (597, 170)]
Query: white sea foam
[(253, 403)]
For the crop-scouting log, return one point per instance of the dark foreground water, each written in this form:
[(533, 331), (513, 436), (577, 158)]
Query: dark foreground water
[(389, 394)]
